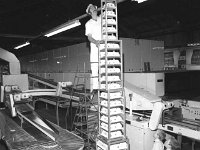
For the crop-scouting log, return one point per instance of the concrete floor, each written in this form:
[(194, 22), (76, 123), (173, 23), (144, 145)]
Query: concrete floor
[(3, 145), (50, 114)]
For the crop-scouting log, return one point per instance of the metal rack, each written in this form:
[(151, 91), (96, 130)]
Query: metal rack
[(112, 133)]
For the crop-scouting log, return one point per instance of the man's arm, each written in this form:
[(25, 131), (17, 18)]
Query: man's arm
[(92, 40)]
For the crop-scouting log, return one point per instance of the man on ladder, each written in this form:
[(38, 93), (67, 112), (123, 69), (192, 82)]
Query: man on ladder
[(93, 32)]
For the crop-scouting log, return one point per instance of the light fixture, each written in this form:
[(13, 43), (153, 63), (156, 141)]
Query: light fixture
[(139, 1), (22, 45), (63, 27), (193, 44)]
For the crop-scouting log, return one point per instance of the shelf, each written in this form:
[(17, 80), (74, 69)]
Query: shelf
[(106, 98), (104, 89), (113, 119), (109, 46), (113, 122), (111, 130), (109, 65), (111, 92), (110, 57), (109, 49), (112, 107), (109, 31), (110, 54), (109, 15), (109, 6), (109, 81), (114, 103), (114, 138), (116, 114), (116, 72), (120, 144)]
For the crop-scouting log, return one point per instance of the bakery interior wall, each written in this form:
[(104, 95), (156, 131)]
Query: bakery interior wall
[(61, 64)]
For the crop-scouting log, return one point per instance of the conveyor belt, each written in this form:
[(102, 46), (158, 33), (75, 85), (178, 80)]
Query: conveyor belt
[(68, 92), (182, 126), (191, 124), (26, 113), (19, 139), (50, 83), (70, 96), (43, 81)]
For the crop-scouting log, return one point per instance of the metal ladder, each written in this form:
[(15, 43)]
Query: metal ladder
[(85, 121)]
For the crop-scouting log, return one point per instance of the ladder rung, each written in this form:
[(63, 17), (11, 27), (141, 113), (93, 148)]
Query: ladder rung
[(81, 114), (92, 119), (83, 105), (94, 77), (80, 123), (80, 84), (80, 77), (92, 113), (83, 131), (92, 123)]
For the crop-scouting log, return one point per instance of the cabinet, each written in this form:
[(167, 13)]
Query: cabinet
[(139, 134)]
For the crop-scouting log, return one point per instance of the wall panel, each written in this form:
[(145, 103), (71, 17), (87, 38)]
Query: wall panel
[(65, 59), (157, 55), (137, 52), (145, 49), (50, 61), (132, 55), (57, 60), (72, 58)]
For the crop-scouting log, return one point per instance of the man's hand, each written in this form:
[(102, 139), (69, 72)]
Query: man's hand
[(98, 42)]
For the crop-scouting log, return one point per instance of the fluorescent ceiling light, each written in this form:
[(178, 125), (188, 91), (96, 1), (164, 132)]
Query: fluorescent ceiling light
[(64, 27), (22, 45), (139, 1), (193, 44)]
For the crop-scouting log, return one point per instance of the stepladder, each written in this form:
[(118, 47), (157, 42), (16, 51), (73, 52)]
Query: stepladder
[(85, 120)]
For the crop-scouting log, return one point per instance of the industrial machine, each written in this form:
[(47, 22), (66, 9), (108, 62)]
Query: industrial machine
[(182, 119), (143, 115), (19, 104)]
